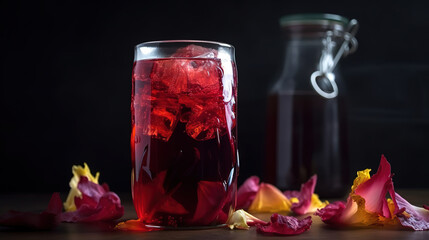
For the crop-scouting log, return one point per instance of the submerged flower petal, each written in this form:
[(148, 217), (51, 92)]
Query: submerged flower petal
[(211, 199), (270, 199), (285, 225), (413, 217), (247, 192), (48, 219), (78, 171), (241, 219)]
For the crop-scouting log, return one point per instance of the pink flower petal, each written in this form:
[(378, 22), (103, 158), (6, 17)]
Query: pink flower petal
[(285, 225), (304, 196), (48, 219), (292, 194), (96, 204), (375, 189), (414, 217), (331, 214), (247, 192)]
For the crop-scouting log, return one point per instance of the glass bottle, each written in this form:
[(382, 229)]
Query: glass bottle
[(307, 125)]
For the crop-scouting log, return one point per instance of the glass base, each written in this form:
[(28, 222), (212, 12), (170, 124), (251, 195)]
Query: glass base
[(185, 228)]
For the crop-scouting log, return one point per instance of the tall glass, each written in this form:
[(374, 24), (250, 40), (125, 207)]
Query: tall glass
[(184, 133)]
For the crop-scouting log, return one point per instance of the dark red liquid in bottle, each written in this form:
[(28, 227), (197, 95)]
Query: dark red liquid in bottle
[(183, 142), (307, 134)]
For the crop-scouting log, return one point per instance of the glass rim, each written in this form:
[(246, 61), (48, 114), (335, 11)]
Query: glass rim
[(186, 41)]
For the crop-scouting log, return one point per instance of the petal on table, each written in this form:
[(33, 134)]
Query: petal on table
[(48, 219), (374, 190), (332, 213), (285, 225), (96, 204), (270, 199), (413, 217), (316, 203), (78, 171), (304, 196), (241, 219), (247, 192)]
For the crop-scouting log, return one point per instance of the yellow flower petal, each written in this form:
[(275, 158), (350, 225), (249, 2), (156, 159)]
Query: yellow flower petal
[(240, 218), (270, 199), (361, 217), (316, 203), (394, 220), (362, 176), (78, 171), (237, 220)]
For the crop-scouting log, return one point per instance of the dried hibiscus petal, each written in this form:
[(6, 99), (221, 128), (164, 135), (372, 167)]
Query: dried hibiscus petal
[(285, 225), (97, 203), (48, 219), (247, 192), (410, 216)]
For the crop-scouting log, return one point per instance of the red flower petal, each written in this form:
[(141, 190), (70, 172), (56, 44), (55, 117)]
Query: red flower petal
[(48, 219), (247, 192), (331, 213), (55, 205), (304, 196), (285, 225), (426, 207), (96, 204), (211, 198), (375, 189), (414, 217)]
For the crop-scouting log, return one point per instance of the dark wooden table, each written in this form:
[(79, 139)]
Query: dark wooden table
[(33, 202)]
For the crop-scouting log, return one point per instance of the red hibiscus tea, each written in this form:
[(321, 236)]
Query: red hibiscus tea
[(183, 141)]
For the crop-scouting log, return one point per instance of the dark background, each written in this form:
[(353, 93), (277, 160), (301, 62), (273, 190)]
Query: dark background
[(66, 82)]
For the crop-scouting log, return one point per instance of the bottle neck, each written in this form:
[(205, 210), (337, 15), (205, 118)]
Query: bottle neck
[(303, 56)]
